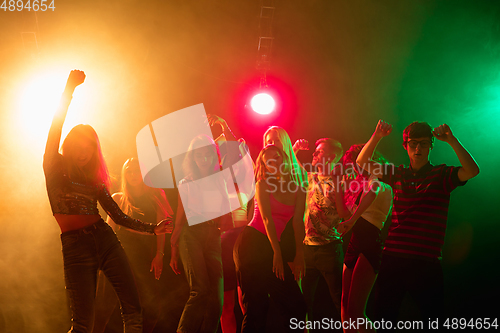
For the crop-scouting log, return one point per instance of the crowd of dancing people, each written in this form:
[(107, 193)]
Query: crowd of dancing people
[(272, 250)]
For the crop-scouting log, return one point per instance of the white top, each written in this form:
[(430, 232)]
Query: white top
[(380, 208)]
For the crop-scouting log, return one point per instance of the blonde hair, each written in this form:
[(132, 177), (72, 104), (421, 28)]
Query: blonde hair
[(127, 201), (299, 175)]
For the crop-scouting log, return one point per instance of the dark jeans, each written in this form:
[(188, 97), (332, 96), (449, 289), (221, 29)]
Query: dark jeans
[(85, 251), (200, 251), (323, 260), (423, 280), (140, 250), (253, 256)]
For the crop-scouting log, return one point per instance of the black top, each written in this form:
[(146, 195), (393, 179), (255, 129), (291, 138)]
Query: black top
[(72, 198)]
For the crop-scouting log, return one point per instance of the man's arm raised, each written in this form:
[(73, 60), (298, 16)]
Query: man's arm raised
[(469, 167), (364, 159)]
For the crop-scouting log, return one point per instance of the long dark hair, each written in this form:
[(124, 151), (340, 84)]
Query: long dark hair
[(95, 171), (261, 169), (127, 201), (189, 164)]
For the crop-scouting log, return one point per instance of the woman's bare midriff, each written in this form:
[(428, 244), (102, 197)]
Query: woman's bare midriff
[(75, 222)]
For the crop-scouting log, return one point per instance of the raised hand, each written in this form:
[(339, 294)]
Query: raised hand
[(164, 226), (300, 144), (383, 129), (214, 120), (443, 133), (75, 78)]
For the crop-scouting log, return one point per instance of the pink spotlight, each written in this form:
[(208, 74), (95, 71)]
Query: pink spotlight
[(263, 103)]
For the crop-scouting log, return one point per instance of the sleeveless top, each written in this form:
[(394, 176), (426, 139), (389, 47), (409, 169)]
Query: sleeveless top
[(280, 213)]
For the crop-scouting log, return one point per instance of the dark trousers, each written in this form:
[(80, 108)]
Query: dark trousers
[(327, 261), (140, 250), (423, 280), (253, 256), (200, 251), (85, 251)]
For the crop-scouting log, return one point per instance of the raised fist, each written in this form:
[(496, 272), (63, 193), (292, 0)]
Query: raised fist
[(214, 120), (383, 129), (300, 144), (75, 78), (443, 133)]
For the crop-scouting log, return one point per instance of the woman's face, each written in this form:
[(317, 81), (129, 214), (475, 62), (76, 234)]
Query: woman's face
[(82, 152), (272, 138), (273, 161), (133, 175), (204, 158)]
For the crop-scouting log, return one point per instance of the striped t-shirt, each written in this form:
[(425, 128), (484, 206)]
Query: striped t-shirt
[(420, 210)]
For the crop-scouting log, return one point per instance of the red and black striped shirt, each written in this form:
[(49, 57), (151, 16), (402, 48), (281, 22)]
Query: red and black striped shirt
[(420, 210)]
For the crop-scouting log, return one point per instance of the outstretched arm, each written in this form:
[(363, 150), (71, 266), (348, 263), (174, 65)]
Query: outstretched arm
[(364, 159), (119, 217), (214, 120), (469, 168), (75, 78), (117, 198), (300, 144)]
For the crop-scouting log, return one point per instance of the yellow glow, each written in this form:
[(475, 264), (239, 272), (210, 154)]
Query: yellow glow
[(37, 104)]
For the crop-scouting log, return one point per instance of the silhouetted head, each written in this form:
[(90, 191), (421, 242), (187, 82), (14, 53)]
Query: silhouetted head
[(83, 155), (202, 157)]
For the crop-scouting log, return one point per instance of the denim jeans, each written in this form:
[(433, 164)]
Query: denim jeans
[(326, 260), (200, 252), (85, 251)]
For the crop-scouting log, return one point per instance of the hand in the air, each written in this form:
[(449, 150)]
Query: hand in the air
[(75, 78), (443, 133), (383, 129), (214, 120), (300, 144)]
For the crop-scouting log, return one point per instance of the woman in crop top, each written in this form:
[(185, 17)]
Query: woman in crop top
[(261, 270), (76, 180), (369, 201)]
